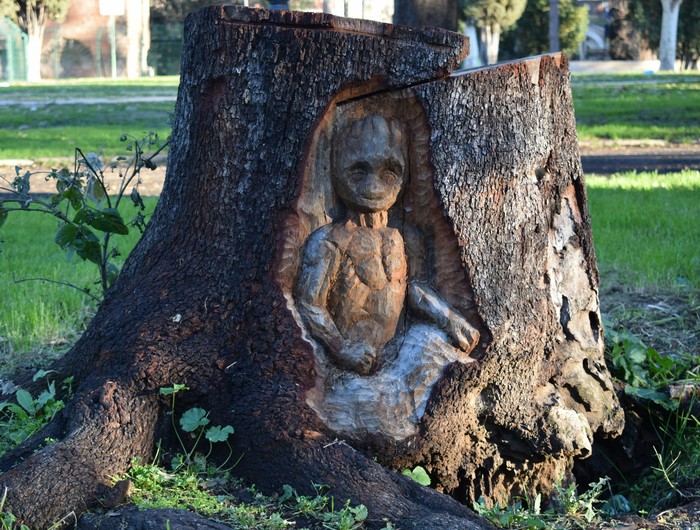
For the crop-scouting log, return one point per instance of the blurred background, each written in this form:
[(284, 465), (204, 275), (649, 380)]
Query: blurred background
[(59, 39)]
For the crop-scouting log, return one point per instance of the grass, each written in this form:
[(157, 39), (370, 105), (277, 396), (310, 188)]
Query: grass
[(646, 229), (91, 88), (660, 107), (41, 317), (34, 125), (634, 107)]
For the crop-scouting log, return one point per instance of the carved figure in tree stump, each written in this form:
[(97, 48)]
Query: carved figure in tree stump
[(352, 288), (314, 308)]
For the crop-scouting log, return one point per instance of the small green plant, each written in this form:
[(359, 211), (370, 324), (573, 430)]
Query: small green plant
[(675, 477), (194, 422), (569, 509), (322, 508), (644, 370), (419, 474), (88, 216), (18, 421), (7, 520)]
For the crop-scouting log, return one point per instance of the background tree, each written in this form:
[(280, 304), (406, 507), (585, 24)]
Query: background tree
[(689, 35), (554, 43), (530, 34), (645, 15), (8, 9), (437, 13), (492, 17), (669, 33), (625, 37), (138, 37), (32, 16)]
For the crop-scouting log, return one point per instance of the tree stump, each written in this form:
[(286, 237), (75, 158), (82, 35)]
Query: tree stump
[(352, 245)]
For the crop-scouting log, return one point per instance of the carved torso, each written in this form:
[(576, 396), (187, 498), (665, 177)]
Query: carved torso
[(367, 293)]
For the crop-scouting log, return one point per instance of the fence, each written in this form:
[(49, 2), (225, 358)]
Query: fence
[(13, 52)]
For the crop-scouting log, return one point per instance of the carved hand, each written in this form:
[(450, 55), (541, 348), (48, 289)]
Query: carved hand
[(357, 356), (463, 333)]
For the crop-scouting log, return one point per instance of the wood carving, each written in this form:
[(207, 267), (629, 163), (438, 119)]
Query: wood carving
[(383, 333), (361, 245)]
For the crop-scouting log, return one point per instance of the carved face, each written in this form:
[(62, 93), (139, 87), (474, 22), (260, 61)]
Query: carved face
[(369, 164)]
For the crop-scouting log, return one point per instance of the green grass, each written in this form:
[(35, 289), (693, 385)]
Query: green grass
[(619, 107), (46, 130), (39, 318), (646, 229), (92, 88)]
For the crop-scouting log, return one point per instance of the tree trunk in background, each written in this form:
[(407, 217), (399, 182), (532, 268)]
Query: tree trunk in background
[(138, 38), (491, 37), (210, 297), (145, 35), (436, 13), (669, 34), (554, 26), (36, 24)]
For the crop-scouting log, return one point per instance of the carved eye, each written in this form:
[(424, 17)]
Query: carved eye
[(389, 176), (357, 173)]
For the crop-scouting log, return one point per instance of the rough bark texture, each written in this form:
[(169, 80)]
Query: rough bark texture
[(204, 299)]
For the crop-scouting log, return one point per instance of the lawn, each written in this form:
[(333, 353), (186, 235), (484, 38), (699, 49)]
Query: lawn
[(39, 122), (644, 226), (635, 107), (38, 316), (646, 229)]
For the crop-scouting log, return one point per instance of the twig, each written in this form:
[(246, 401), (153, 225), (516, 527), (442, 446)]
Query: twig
[(67, 284)]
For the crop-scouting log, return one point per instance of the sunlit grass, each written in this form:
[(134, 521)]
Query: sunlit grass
[(656, 107), (37, 316), (646, 228), (35, 126)]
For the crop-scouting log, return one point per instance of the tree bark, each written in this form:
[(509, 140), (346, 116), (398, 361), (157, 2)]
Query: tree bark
[(669, 34), (495, 203)]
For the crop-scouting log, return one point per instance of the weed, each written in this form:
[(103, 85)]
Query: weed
[(18, 421), (568, 509), (645, 371), (675, 478), (647, 376), (7, 520), (419, 474), (88, 217), (322, 508), (152, 487), (194, 422)]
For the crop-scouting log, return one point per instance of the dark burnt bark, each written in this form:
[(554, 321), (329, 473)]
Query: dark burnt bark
[(202, 301)]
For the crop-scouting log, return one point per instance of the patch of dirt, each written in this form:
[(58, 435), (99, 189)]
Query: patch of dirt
[(668, 321), (150, 186)]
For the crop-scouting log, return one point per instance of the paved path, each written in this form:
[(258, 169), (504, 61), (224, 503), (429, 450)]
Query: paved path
[(606, 161)]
